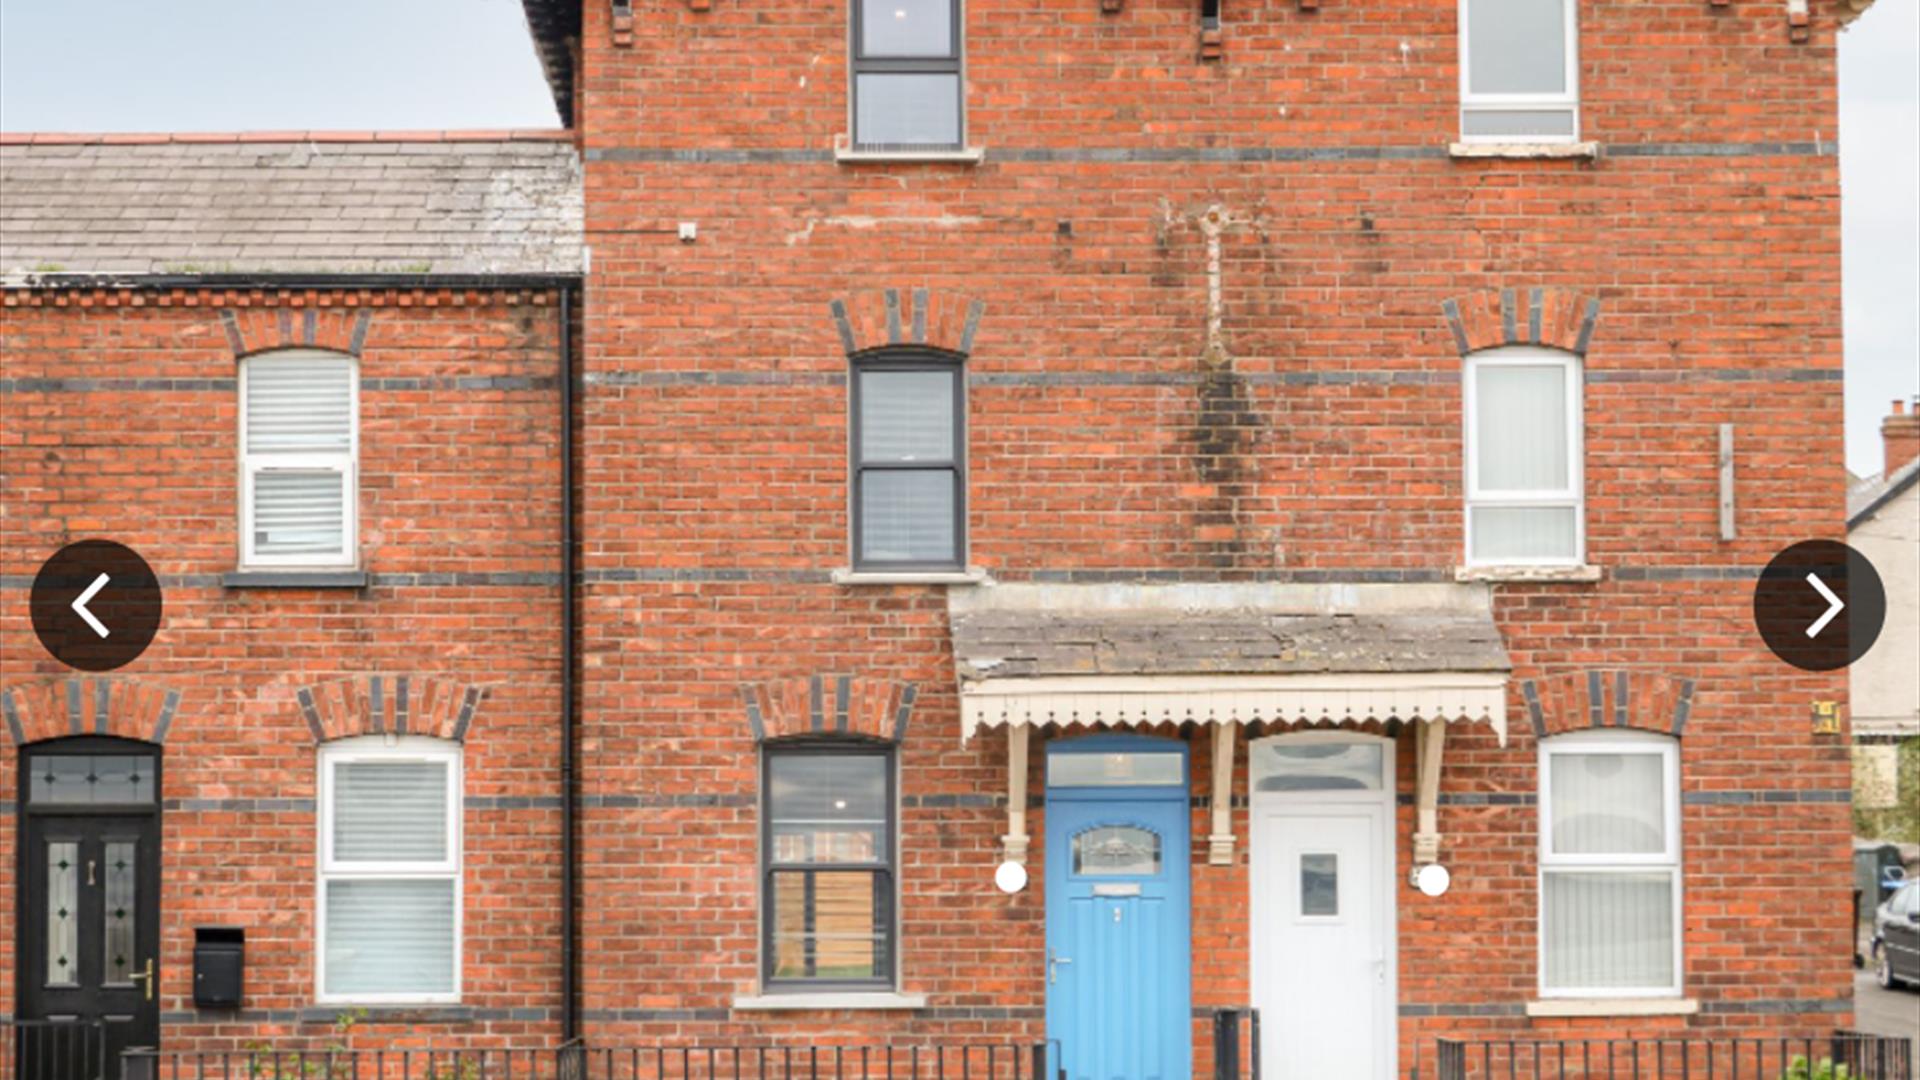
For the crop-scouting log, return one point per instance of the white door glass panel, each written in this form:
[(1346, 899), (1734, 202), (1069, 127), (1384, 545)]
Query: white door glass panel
[(907, 516), (1314, 766), (390, 811), (906, 416), (1521, 416), (389, 937), (1607, 804), (1524, 533), (1516, 46), (907, 110), (1607, 930), (906, 27)]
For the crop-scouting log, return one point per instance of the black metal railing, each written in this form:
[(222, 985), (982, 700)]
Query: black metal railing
[(1690, 1057), (53, 1049), (1236, 1044), (798, 1061)]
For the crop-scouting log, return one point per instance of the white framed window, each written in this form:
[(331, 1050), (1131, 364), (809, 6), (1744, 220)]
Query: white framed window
[(1519, 71), (1610, 882), (1525, 492), (299, 459), (389, 893)]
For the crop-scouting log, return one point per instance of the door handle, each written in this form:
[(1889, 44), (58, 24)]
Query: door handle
[(145, 978), (1053, 965)]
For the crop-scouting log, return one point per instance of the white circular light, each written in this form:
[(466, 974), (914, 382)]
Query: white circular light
[(1011, 877), (1432, 879)]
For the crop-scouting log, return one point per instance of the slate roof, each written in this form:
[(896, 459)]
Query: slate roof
[(429, 203), (1054, 639), (1867, 497)]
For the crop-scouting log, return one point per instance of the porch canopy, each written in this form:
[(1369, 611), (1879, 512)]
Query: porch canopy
[(1230, 655)]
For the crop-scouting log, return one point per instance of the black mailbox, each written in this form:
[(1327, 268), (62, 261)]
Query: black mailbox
[(219, 966)]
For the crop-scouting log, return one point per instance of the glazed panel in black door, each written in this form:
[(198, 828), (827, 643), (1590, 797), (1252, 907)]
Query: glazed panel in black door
[(89, 937)]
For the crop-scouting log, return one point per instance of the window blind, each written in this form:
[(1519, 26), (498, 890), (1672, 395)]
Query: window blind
[(298, 445), (389, 937), (299, 402), (390, 811)]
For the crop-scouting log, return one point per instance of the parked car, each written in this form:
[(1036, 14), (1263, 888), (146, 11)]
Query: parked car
[(1896, 938)]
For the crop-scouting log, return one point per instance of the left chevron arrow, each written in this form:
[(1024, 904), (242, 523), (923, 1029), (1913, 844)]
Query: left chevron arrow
[(80, 604)]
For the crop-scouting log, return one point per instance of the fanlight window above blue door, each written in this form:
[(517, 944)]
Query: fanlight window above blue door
[(1124, 769), (1116, 850)]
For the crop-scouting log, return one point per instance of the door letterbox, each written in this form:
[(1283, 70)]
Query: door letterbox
[(219, 966)]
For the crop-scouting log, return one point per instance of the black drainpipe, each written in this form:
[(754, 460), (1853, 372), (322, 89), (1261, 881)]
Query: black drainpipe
[(569, 879)]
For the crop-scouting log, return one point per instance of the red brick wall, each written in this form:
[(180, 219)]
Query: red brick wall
[(714, 488), (459, 481)]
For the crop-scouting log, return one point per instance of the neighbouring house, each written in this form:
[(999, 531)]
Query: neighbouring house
[(1883, 523), (1085, 515), (315, 383)]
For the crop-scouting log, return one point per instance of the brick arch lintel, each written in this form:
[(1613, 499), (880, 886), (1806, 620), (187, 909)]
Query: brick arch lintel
[(403, 703), (1601, 698), (114, 705), (880, 318), (258, 330), (1556, 318), (829, 705)]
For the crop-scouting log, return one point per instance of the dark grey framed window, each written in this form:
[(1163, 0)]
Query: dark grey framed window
[(827, 852), (909, 461), (907, 89)]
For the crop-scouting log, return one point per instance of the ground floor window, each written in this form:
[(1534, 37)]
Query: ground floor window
[(829, 867), (389, 901), (1609, 865)]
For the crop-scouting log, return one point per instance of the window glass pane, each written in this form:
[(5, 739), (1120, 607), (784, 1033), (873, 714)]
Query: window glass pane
[(906, 28), (390, 811), (1521, 415), (1116, 850), (63, 915), (1318, 766), (907, 111), (1518, 123), (1517, 46), (828, 808), (90, 779), (118, 912), (389, 937), (299, 512), (1135, 769), (907, 516), (1320, 884), (829, 925), (1607, 804), (1608, 930), (299, 403), (1524, 532), (906, 416)]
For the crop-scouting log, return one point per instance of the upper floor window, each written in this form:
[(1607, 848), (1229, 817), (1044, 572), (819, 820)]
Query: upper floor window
[(829, 866), (909, 470), (1525, 502), (1609, 865), (1519, 71), (907, 88), (389, 905), (299, 436)]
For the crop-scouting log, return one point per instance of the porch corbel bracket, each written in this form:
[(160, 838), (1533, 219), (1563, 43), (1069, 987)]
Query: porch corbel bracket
[(1431, 746), (1014, 844), (1220, 840)]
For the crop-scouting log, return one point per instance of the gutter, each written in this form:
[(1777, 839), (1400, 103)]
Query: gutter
[(293, 280)]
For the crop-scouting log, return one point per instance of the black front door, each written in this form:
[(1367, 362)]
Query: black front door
[(89, 912)]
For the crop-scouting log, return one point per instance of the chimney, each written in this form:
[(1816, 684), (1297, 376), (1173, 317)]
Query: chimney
[(1900, 434)]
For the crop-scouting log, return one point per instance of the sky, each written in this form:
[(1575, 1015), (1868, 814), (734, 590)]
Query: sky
[(238, 65)]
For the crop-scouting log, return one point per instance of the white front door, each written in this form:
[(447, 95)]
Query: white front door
[(1322, 915)]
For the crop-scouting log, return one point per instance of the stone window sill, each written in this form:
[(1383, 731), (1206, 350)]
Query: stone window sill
[(1576, 574), (1578, 150), (389, 1014), (972, 575), (968, 155), (294, 579), (1606, 1007), (847, 999)]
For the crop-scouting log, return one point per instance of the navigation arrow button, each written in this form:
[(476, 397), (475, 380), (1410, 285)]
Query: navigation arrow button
[(79, 604), (1835, 605)]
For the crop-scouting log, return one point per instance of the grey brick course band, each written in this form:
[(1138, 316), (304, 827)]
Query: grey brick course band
[(1181, 379), (1784, 795)]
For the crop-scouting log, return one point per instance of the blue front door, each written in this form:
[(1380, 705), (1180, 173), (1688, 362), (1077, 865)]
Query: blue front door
[(1117, 909)]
